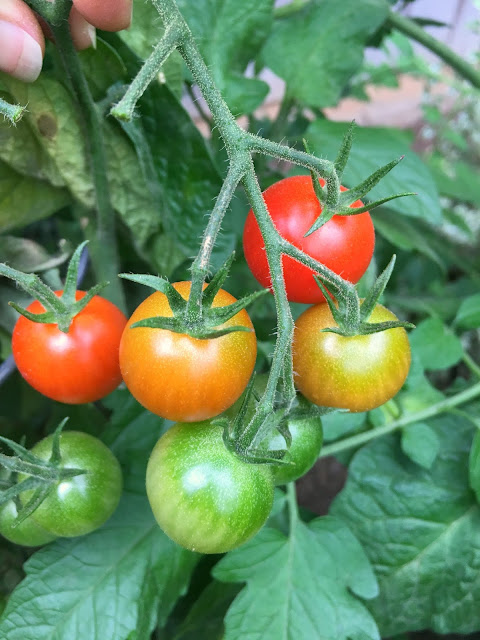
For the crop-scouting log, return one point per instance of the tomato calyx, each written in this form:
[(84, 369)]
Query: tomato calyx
[(248, 434), (205, 321), (60, 310), (351, 314), (337, 202), (43, 476)]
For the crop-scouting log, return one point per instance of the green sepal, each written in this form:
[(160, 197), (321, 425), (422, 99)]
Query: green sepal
[(15, 490), (353, 211), (215, 284), (354, 194), (35, 501), (59, 310), (367, 328), (319, 192), (219, 315), (154, 282), (344, 151), (373, 296)]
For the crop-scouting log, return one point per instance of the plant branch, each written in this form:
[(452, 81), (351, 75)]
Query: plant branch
[(103, 248), (419, 416), (414, 31)]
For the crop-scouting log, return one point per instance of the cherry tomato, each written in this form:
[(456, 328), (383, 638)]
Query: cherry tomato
[(203, 496), (75, 367), (83, 503), (27, 534), (344, 244), (357, 373), (183, 378), (307, 439)]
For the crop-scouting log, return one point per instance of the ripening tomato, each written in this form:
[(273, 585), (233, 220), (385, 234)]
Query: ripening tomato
[(344, 244), (202, 495), (357, 373), (75, 367), (183, 378)]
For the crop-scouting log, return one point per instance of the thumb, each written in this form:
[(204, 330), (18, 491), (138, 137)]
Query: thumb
[(23, 44)]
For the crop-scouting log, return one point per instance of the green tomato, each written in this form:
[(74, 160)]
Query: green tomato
[(83, 503), (307, 440), (27, 534), (204, 497)]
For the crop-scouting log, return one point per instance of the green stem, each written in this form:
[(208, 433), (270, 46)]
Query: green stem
[(414, 31), (54, 12), (419, 416), (201, 263), (169, 42), (103, 248), (12, 112), (471, 364)]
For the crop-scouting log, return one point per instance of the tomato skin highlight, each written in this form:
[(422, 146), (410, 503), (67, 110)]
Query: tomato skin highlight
[(307, 440), (76, 367), (26, 534), (181, 378), (83, 503), (203, 496), (344, 244), (357, 373)]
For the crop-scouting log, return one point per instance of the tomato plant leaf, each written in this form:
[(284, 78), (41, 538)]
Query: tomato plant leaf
[(302, 586), (410, 520), (372, 148), (24, 200), (420, 443), (435, 345), (468, 315), (304, 49), (247, 24), (103, 586)]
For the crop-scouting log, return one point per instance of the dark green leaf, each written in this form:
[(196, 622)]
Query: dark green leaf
[(435, 345), (372, 148), (303, 587), (421, 531), (103, 586), (317, 50), (229, 34)]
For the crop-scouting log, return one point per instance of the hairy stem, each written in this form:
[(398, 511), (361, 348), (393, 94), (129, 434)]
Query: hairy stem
[(414, 31), (419, 416), (12, 112), (103, 249)]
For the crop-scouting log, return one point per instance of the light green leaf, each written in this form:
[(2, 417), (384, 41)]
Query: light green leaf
[(229, 34), (420, 443), (420, 529), (468, 315), (435, 345), (318, 49), (372, 148), (104, 586), (303, 587)]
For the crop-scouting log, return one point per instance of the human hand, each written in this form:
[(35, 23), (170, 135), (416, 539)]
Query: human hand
[(22, 38)]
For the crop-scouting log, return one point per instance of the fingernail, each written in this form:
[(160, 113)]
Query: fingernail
[(20, 54), (92, 34)]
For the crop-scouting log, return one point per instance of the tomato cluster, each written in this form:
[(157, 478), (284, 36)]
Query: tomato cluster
[(202, 494)]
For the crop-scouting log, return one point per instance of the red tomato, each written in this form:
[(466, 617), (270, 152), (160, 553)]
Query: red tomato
[(183, 378), (75, 367), (344, 244)]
